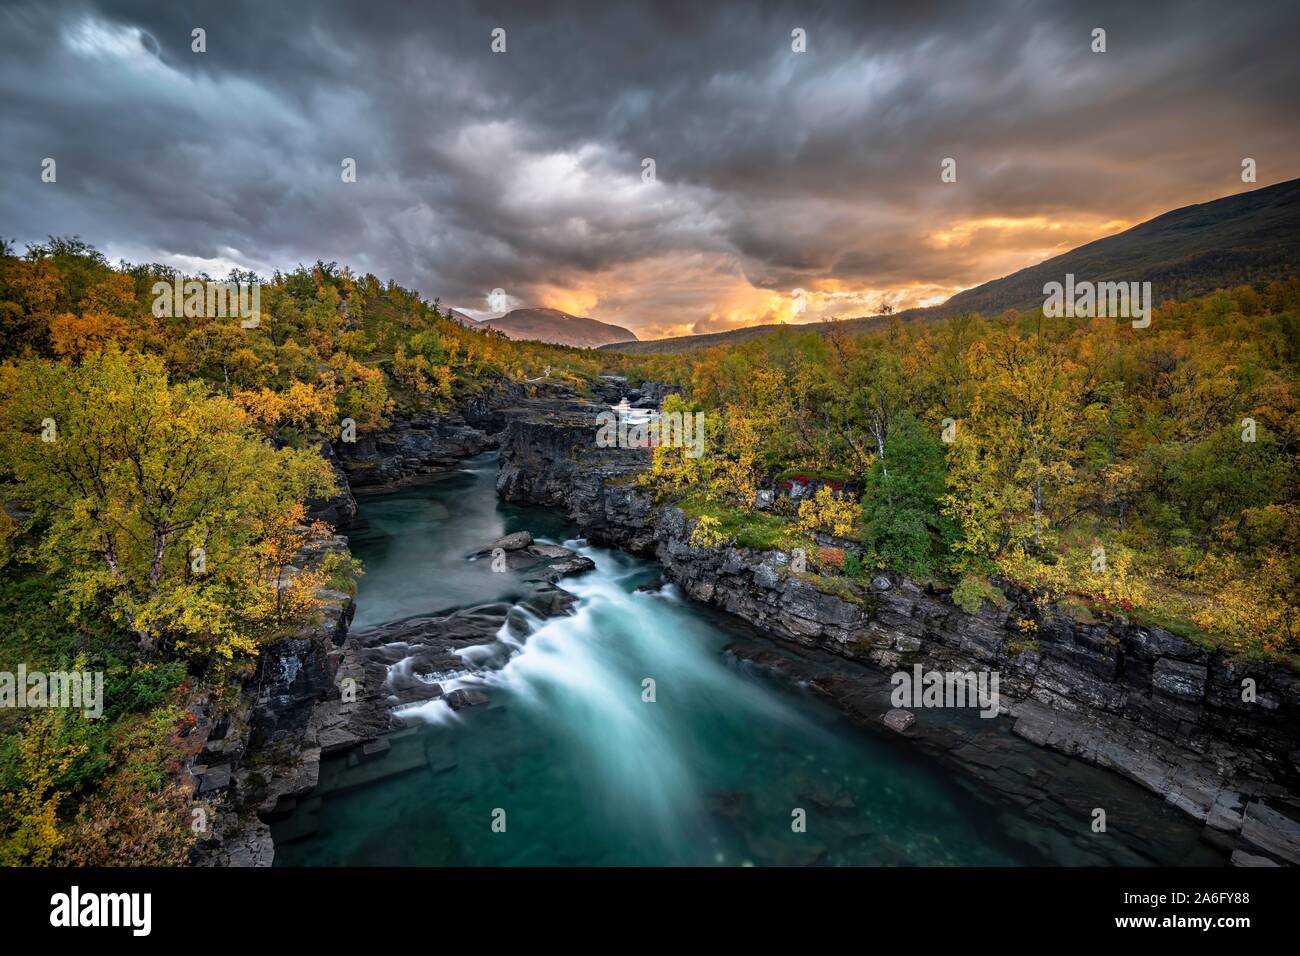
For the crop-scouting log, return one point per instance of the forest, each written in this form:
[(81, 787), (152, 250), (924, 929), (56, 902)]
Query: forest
[(156, 470), (1149, 472)]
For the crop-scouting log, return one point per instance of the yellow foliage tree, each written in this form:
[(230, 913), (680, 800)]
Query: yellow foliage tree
[(29, 831), (302, 405), (155, 500), (73, 337), (363, 393), (707, 533), (828, 511)]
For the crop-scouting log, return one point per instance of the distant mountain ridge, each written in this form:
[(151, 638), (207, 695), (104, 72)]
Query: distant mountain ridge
[(1240, 239), (457, 316), (557, 328)]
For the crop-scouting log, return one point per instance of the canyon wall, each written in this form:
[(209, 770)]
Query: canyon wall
[(264, 750), (253, 759)]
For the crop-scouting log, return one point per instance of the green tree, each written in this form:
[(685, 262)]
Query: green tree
[(902, 520)]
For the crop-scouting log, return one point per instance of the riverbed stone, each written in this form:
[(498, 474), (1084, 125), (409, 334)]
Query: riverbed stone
[(512, 542), (898, 719), (467, 697)]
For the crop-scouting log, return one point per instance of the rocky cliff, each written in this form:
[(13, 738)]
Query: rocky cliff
[(1217, 737), (266, 750), (411, 447), (408, 448)]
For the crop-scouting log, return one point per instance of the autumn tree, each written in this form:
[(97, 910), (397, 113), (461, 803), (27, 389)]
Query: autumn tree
[(903, 524), (1015, 449), (73, 337), (147, 497)]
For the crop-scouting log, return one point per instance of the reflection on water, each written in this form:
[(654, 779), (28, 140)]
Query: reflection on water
[(415, 541)]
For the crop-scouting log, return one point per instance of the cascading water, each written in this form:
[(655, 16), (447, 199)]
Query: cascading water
[(622, 734)]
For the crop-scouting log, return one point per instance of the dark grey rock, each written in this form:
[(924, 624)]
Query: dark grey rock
[(1243, 858), (1179, 679), (408, 449), (899, 719), (1275, 833), (467, 697), (215, 778)]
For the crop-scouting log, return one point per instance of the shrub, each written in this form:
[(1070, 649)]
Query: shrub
[(827, 511), (973, 590), (706, 533), (831, 558)]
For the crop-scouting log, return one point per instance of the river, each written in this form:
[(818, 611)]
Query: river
[(571, 763)]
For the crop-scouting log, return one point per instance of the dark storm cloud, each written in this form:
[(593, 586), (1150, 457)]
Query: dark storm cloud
[(523, 170)]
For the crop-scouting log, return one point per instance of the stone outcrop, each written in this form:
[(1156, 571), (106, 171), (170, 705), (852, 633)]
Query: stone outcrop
[(340, 510), (1140, 700), (651, 394), (550, 457), (267, 749), (408, 449), (412, 447)]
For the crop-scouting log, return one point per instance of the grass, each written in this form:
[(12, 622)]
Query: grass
[(33, 630), (837, 585), (766, 532), (749, 529)]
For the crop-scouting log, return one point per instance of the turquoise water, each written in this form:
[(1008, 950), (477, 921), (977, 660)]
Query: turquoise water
[(575, 766)]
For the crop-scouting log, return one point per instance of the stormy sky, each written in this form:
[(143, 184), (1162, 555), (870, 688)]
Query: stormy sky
[(775, 170)]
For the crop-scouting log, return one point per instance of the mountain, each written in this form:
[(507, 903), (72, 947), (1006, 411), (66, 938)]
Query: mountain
[(1240, 239), (558, 328)]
